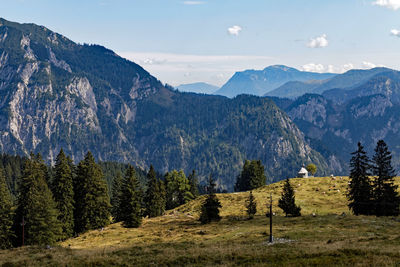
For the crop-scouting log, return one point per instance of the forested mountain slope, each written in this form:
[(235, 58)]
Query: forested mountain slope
[(58, 94)]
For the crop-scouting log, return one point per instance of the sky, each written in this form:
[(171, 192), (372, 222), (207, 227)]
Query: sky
[(209, 40)]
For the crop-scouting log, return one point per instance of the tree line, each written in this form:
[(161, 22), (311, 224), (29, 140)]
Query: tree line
[(53, 204), (371, 187)]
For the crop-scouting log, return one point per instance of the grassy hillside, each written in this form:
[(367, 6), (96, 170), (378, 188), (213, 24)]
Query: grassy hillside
[(177, 238), (322, 195)]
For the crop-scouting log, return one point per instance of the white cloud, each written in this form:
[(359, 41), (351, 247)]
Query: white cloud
[(330, 69), (316, 67), (368, 65), (347, 67), (193, 3), (234, 30), (395, 32), (312, 67), (391, 4), (152, 61), (318, 42), (176, 69)]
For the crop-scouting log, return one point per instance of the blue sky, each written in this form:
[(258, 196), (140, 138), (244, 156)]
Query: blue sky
[(208, 40)]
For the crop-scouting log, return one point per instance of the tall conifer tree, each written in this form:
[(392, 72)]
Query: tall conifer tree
[(287, 201), (92, 203), (211, 206), (251, 206), (36, 206), (131, 200), (115, 197), (163, 197), (360, 189), (194, 184), (63, 193), (6, 214), (385, 195), (155, 197)]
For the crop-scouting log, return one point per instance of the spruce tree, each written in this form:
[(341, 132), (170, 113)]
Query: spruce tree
[(211, 206), (36, 207), (251, 206), (92, 203), (163, 197), (360, 189), (287, 201), (6, 214), (115, 197), (63, 193), (131, 200), (385, 195), (251, 177), (155, 197), (194, 184)]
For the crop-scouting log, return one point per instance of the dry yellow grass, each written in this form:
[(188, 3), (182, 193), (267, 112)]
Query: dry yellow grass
[(177, 238), (321, 195)]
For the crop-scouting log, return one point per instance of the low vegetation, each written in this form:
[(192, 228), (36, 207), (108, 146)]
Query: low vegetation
[(325, 234)]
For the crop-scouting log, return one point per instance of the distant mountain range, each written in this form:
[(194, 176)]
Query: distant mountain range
[(359, 105), (347, 81), (386, 83), (199, 88), (260, 82), (58, 94)]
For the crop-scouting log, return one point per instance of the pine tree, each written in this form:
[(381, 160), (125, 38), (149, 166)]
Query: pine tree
[(163, 197), (36, 207), (385, 195), (251, 177), (360, 189), (155, 197), (6, 214), (251, 206), (194, 184), (131, 200), (92, 203), (115, 197), (211, 206), (287, 201), (63, 193)]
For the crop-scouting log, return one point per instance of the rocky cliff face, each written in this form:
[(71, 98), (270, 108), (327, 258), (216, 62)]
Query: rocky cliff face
[(57, 94), (340, 126)]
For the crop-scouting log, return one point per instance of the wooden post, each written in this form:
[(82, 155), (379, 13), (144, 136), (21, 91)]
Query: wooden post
[(271, 239)]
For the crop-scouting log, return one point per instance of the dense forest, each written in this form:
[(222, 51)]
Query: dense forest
[(43, 204), (13, 168)]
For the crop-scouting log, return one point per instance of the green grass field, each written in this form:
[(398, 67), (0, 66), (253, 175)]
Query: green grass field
[(331, 237)]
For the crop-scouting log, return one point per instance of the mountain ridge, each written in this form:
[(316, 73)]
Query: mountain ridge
[(260, 82), (59, 94), (198, 87), (345, 82)]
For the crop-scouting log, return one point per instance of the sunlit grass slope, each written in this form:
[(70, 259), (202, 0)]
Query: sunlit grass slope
[(320, 195), (177, 238)]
